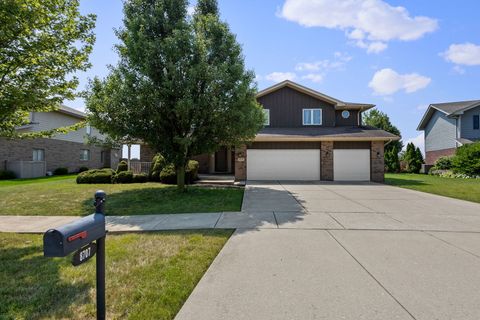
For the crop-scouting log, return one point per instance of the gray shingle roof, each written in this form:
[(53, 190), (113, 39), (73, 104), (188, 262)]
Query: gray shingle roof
[(452, 107)]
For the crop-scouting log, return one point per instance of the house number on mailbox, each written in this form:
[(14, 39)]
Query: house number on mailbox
[(84, 254)]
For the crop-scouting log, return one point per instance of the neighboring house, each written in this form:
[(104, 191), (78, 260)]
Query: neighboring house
[(307, 136), (448, 126), (62, 150)]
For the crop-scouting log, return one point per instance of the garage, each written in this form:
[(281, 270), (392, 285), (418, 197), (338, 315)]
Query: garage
[(283, 164), (351, 165)]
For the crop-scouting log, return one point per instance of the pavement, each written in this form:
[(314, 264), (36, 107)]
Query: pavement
[(345, 251)]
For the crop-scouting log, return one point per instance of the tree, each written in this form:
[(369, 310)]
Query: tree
[(467, 159), (180, 85), (378, 119), (42, 42), (413, 158)]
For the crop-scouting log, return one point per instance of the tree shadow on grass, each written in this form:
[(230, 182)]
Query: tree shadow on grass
[(31, 285)]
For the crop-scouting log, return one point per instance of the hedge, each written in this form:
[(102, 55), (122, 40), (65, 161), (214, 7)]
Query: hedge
[(60, 171), (122, 166), (140, 178), (169, 176), (96, 176), (123, 177), (158, 163), (7, 175)]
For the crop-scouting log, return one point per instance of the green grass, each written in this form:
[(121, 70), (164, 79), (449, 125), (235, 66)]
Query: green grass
[(465, 189), (55, 196), (16, 182), (148, 276)]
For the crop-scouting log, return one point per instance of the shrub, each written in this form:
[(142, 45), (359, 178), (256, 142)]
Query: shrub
[(443, 163), (96, 176), (7, 175), (60, 171), (82, 169), (467, 160), (140, 178), (158, 163), (122, 166), (169, 176), (123, 177)]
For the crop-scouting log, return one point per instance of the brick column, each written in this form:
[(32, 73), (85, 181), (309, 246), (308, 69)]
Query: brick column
[(377, 163), (241, 163), (326, 160)]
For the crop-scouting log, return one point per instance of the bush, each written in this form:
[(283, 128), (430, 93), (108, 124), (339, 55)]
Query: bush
[(392, 163), (7, 175), (123, 177), (140, 178), (412, 158), (82, 169), (96, 176), (443, 163), (60, 171), (122, 166), (158, 163), (169, 176), (467, 160)]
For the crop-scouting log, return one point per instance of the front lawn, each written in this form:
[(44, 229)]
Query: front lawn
[(149, 276), (63, 197), (465, 189)]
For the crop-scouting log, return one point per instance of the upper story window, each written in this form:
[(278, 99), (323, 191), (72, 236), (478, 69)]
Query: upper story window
[(85, 154), (476, 122), (312, 117), (89, 129), (38, 155), (266, 114)]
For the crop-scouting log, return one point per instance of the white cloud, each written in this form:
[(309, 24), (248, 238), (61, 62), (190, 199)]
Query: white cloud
[(467, 54), (338, 63), (314, 77), (458, 69), (368, 23), (388, 81), (418, 141), (280, 76)]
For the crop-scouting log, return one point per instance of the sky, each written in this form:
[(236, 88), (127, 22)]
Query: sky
[(399, 55)]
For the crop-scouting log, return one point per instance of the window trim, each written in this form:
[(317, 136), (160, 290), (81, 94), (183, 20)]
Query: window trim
[(82, 153), (36, 150), (311, 113), (477, 123), (88, 130), (267, 113)]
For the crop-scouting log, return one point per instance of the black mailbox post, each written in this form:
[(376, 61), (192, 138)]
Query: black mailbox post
[(78, 237)]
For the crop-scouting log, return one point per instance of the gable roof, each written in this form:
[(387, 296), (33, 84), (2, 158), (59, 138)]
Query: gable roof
[(71, 112), (448, 108), (339, 105)]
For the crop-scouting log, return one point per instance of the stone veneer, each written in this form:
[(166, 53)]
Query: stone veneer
[(58, 153), (326, 161), (377, 162), (241, 163), (432, 156)]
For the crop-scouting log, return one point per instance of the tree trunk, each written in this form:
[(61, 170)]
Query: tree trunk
[(181, 178)]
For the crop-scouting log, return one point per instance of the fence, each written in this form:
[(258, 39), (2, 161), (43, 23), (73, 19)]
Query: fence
[(140, 167), (28, 169)]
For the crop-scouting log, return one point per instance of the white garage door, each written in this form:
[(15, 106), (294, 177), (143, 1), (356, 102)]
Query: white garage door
[(351, 165), (283, 164)]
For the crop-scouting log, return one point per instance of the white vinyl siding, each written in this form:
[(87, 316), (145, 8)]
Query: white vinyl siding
[(467, 128), (441, 132), (312, 117)]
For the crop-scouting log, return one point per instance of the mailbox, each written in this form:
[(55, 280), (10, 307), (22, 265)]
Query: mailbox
[(73, 236)]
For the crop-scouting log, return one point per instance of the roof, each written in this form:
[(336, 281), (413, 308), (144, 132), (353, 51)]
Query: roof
[(339, 105), (72, 112), (448, 108), (363, 133), (463, 141)]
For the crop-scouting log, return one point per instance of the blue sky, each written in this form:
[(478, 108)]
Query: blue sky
[(399, 55)]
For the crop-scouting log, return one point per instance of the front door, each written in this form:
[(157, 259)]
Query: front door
[(221, 160)]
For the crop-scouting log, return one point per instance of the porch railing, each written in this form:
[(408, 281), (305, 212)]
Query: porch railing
[(140, 167)]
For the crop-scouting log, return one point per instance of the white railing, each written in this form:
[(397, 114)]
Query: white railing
[(140, 167), (28, 169)]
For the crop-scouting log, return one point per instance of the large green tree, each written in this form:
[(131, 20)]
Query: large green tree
[(42, 43), (180, 86)]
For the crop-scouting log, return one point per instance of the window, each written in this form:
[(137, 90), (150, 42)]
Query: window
[(476, 122), (345, 114), (312, 117), (89, 129), (38, 155), (85, 155), (266, 113)]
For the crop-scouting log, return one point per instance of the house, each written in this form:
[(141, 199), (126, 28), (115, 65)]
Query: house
[(448, 126), (307, 136), (35, 157)]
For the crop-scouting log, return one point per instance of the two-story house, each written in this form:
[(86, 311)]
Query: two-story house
[(62, 150), (448, 126), (307, 136)]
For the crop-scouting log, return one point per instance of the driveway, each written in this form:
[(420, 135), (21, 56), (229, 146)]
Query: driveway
[(345, 251)]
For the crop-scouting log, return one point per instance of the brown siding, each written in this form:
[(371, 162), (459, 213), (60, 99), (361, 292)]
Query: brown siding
[(351, 145), (286, 106), (285, 145), (351, 121)]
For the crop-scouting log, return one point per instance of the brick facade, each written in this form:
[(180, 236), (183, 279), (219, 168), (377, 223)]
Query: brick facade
[(432, 156), (146, 153), (326, 161), (58, 153), (377, 162), (241, 163)]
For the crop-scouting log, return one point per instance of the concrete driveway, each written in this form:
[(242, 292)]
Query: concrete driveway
[(345, 251)]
